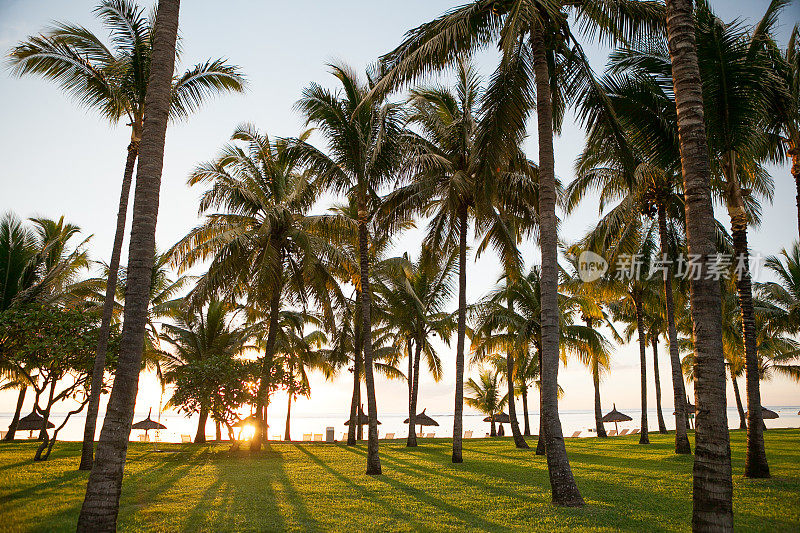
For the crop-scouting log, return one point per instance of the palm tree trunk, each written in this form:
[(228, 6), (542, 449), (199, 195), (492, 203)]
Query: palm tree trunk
[(598, 407), (493, 430), (794, 153), (12, 428), (713, 486), (101, 504), (540, 443), (564, 489), (217, 430), (200, 435), (662, 427), (458, 411), (519, 441), (411, 441), (412, 416), (373, 459), (87, 449), (644, 438), (682, 445), (527, 431), (287, 432), (261, 432), (755, 464), (355, 402), (739, 406)]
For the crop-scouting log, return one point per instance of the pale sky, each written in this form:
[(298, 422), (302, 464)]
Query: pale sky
[(58, 158)]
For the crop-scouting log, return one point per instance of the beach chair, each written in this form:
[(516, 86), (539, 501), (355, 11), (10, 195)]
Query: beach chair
[(3, 434), (487, 434), (468, 434), (429, 435), (634, 432), (575, 435), (276, 437), (186, 439), (144, 438), (318, 437), (623, 432), (307, 436), (389, 436), (612, 433)]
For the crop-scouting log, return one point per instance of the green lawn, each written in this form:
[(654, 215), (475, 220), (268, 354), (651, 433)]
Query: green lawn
[(322, 487)]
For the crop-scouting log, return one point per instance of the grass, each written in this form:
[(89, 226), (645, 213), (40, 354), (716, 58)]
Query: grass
[(322, 487)]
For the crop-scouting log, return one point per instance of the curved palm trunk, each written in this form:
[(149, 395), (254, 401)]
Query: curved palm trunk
[(458, 411), (411, 440), (598, 407), (662, 427), (43, 435), (527, 430), (12, 428), (519, 442), (101, 504), (682, 445), (713, 487), (287, 432), (794, 153), (540, 443), (200, 435), (738, 397), (644, 438), (412, 417), (87, 449), (755, 464), (373, 459), (564, 489)]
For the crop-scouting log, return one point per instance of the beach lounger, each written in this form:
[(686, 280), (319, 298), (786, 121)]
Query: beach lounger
[(186, 439), (575, 435), (389, 436), (612, 433), (3, 434), (634, 432), (318, 437), (429, 435), (307, 436), (487, 434), (623, 432), (144, 438), (468, 434), (276, 437)]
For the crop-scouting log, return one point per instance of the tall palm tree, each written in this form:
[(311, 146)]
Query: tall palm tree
[(530, 35), (257, 235), (620, 162), (785, 293), (712, 494), (487, 395), (195, 337), (364, 136), (414, 299), (99, 511), (447, 186), (113, 81)]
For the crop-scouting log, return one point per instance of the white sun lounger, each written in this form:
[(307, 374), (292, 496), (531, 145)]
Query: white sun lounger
[(634, 432), (468, 434), (318, 437), (307, 436), (429, 435), (389, 436), (623, 432), (575, 435), (612, 433)]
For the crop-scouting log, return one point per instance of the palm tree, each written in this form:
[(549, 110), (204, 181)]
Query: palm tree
[(712, 494), (113, 81), (198, 336), (447, 185), (99, 512), (532, 36), (785, 293), (487, 396), (364, 136), (257, 234), (414, 299)]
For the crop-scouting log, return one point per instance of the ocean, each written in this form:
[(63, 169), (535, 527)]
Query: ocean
[(301, 426)]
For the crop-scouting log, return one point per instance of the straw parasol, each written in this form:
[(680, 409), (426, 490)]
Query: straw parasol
[(767, 414), (147, 424), (32, 422), (251, 420), (423, 420), (616, 417), (363, 419), (500, 418)]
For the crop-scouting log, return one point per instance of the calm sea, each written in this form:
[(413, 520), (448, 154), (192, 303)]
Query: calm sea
[(571, 421)]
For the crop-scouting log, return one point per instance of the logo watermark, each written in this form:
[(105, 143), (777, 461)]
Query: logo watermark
[(592, 266)]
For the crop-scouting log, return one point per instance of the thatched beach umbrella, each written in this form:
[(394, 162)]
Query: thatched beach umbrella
[(362, 419), (499, 418), (766, 414), (147, 424), (251, 420), (616, 417), (423, 420), (32, 422)]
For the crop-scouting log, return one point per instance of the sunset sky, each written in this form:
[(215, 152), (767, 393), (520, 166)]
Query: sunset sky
[(59, 159)]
